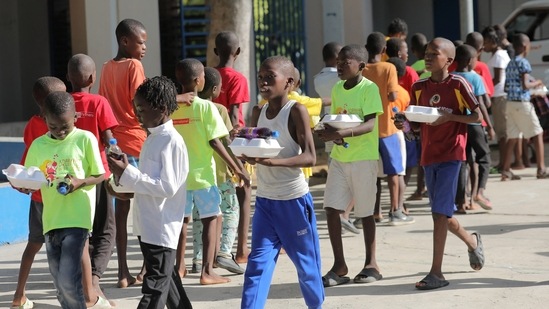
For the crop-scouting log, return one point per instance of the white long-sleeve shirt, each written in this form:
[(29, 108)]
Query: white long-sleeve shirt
[(160, 186)]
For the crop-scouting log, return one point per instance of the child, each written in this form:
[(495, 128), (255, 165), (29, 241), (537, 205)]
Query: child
[(476, 40), (476, 137), (497, 64), (120, 78), (384, 75), (228, 224), (417, 45), (234, 94), (398, 29), (160, 188), (398, 48), (284, 211), (357, 95), (521, 116), (94, 114), (70, 155), (201, 126), (35, 127), (443, 149)]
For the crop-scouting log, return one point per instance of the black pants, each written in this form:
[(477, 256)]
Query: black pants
[(162, 285), (478, 142), (103, 235)]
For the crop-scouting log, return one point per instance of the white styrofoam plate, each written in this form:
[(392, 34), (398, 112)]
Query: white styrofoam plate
[(341, 121), (256, 147), (25, 178), (421, 114)]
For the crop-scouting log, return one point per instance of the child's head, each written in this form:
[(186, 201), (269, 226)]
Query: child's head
[(351, 61), (329, 54), (439, 54), (457, 43), (60, 114), (212, 84), (44, 86), (154, 101), (275, 77), (81, 71), (297, 80), (190, 74), (375, 43), (417, 45), (521, 44), (399, 64), (476, 40), (491, 40), (226, 45), (397, 29), (131, 37), (502, 34), (466, 58), (397, 48)]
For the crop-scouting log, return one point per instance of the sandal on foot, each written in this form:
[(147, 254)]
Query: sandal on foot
[(542, 174), (26, 305), (430, 282), (476, 257), (416, 196), (508, 175), (367, 275), (483, 202), (333, 279)]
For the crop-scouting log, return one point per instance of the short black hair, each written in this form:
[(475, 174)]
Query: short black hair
[(418, 42), (475, 39), (375, 43), (399, 64), (393, 47), (127, 27), (58, 102), (489, 33), (464, 53), (187, 70), (79, 69), (159, 92), (397, 25), (501, 32), (211, 78), (226, 43), (285, 65), (356, 52), (519, 39), (458, 43), (47, 84), (330, 51)]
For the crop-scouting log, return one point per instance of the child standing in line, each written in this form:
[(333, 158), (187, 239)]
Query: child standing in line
[(94, 114), (443, 149), (357, 95), (160, 188), (35, 128), (234, 94), (521, 115), (284, 211), (201, 127), (69, 155), (417, 45)]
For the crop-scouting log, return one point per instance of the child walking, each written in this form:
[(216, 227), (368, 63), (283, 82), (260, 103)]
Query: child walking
[(70, 155), (443, 150), (284, 212), (160, 188)]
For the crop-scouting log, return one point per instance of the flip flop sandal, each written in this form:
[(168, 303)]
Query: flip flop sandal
[(333, 279), (430, 282), (367, 275), (476, 257)]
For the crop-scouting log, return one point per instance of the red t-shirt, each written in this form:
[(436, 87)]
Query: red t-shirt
[(35, 128), (409, 78), (94, 114), (445, 142), (234, 90)]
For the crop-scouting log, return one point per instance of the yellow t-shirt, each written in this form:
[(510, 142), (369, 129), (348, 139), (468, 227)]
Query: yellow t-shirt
[(361, 100), (221, 168), (313, 106)]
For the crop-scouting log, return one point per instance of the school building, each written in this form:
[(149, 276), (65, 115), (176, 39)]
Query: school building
[(38, 38)]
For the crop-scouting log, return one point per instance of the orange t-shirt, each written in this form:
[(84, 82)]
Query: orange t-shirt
[(119, 81), (384, 75)]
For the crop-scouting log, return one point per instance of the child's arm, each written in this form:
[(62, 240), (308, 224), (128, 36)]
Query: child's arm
[(185, 98), (481, 101), (528, 82), (77, 183), (233, 113), (224, 152), (330, 134), (474, 117), (106, 137)]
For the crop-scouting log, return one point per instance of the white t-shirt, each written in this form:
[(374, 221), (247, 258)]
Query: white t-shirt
[(499, 59), (325, 80)]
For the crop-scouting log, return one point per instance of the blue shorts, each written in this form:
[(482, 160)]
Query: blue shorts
[(207, 202), (391, 155), (441, 180), (412, 153)]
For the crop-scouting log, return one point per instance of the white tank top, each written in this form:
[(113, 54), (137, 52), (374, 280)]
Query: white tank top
[(281, 183)]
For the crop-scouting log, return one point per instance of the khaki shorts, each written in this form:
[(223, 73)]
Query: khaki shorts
[(522, 118), (353, 181), (498, 114)]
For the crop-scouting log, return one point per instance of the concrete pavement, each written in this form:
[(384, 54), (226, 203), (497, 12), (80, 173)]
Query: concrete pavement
[(516, 273)]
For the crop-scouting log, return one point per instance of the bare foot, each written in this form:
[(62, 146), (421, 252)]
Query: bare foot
[(182, 273), (212, 278), (126, 282), (473, 206), (242, 258)]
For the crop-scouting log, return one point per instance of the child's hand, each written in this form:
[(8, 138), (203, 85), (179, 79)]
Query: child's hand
[(399, 120), (243, 178), (328, 134), (491, 133), (116, 166), (185, 98), (445, 116), (234, 132), (23, 190), (120, 196), (74, 183)]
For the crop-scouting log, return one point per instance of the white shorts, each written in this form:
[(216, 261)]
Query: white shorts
[(353, 181), (522, 118), (402, 141)]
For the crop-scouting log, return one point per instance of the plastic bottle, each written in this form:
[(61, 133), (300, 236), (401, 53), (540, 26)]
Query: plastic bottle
[(341, 142), (408, 133), (113, 150), (63, 187), (257, 132)]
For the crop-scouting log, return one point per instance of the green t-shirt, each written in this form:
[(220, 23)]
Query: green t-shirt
[(419, 65), (361, 100), (199, 123), (78, 155), (222, 169)]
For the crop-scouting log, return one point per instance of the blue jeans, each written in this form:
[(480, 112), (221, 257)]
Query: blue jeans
[(64, 250)]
